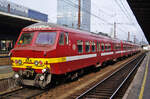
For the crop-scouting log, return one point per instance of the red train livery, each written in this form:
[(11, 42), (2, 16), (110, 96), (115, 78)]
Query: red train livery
[(44, 49)]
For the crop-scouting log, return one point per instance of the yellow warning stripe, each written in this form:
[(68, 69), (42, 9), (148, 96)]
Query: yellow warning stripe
[(30, 62), (46, 61), (144, 80), (49, 60)]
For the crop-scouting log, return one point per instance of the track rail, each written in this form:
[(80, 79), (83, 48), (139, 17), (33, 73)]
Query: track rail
[(7, 83), (108, 88), (23, 93)]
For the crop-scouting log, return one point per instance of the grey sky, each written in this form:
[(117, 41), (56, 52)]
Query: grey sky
[(113, 11)]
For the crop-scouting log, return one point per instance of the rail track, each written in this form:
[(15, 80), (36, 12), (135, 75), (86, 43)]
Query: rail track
[(17, 92), (109, 87), (23, 93), (7, 83)]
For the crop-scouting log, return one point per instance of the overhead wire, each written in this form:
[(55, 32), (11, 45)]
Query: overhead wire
[(73, 4), (84, 10)]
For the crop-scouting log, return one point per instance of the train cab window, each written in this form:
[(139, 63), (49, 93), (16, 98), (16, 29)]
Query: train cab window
[(102, 46), (66, 38), (80, 46), (87, 47), (46, 38), (25, 38), (93, 47), (61, 39)]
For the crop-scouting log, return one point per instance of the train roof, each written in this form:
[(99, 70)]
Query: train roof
[(49, 26), (52, 26)]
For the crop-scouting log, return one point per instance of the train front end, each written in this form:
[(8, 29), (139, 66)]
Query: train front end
[(29, 57)]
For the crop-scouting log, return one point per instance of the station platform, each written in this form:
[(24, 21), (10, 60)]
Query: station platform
[(140, 86), (4, 60), (6, 71)]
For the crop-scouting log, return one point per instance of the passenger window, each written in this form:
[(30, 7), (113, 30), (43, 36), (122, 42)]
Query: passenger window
[(98, 46), (106, 47), (87, 46), (66, 38), (93, 46), (61, 39), (109, 47), (102, 46), (80, 46), (117, 46)]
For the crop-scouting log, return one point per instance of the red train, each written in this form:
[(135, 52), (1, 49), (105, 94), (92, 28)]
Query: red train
[(44, 50)]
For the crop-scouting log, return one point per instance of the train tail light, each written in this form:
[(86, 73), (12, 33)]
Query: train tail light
[(16, 61), (40, 62)]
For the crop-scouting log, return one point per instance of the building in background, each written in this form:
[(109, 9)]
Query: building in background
[(12, 8), (7, 31), (68, 13)]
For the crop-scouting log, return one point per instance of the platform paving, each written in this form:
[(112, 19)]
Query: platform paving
[(140, 86), (5, 71)]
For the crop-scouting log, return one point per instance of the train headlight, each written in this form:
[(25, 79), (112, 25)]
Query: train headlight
[(36, 62), (42, 77), (43, 70), (16, 76), (20, 62)]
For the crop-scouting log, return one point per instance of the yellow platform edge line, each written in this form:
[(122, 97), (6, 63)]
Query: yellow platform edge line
[(144, 80)]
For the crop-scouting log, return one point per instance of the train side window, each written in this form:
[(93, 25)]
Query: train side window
[(109, 47), (116, 46), (87, 46), (106, 48), (102, 46), (66, 38), (61, 39), (80, 46), (93, 46), (119, 46), (97, 46)]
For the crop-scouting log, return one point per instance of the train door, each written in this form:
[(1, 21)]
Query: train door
[(67, 43), (63, 49), (61, 45), (122, 51)]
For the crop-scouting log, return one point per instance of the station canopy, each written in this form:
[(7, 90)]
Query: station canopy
[(11, 25), (141, 10)]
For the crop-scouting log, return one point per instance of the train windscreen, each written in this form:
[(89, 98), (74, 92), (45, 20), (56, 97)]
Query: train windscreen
[(46, 38), (25, 38)]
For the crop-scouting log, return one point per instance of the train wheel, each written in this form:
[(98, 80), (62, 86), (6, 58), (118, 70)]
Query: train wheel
[(81, 72), (96, 69), (18, 82), (73, 76), (45, 81)]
